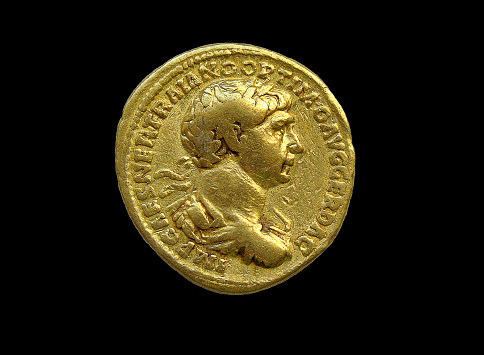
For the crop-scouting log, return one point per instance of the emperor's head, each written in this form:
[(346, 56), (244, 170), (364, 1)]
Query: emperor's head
[(249, 122)]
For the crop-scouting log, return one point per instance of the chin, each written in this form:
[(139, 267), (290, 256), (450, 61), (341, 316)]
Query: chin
[(277, 180), (284, 178)]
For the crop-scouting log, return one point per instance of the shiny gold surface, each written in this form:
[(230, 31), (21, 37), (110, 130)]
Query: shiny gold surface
[(235, 164)]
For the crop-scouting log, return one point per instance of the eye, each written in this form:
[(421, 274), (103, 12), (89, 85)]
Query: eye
[(278, 126), (279, 131)]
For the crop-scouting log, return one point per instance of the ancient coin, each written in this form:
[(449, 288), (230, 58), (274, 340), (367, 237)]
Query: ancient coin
[(236, 165)]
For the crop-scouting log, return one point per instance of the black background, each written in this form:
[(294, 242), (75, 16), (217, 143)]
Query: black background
[(111, 273), (80, 275)]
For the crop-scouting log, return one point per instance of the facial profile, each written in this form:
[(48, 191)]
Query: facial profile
[(252, 123), (240, 134)]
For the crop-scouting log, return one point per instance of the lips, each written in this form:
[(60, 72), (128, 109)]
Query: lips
[(286, 166), (285, 169), (289, 159)]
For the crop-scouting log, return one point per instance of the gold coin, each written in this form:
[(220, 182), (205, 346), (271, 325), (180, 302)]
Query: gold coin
[(236, 165)]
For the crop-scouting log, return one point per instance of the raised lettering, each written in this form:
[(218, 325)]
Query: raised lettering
[(151, 208), (332, 202), (295, 81), (339, 172), (301, 88), (184, 249), (229, 68), (309, 99), (193, 79), (161, 108), (183, 84), (336, 142), (285, 75), (305, 244), (209, 70), (328, 130), (141, 175), (315, 230), (146, 138), (208, 261), (174, 95), (248, 67), (338, 158), (325, 218), (321, 113), (168, 236), (151, 121), (220, 265), (265, 70), (211, 261), (143, 155), (160, 222), (145, 192), (337, 187), (200, 257)]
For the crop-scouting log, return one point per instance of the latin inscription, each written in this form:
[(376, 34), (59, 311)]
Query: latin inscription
[(193, 73), (337, 185)]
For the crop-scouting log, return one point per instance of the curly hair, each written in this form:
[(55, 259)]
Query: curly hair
[(243, 102)]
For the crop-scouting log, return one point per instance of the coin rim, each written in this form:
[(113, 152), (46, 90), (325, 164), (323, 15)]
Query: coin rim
[(125, 130)]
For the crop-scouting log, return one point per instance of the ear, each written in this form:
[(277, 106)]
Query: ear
[(234, 136)]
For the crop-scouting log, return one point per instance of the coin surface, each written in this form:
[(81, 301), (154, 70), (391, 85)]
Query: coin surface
[(236, 165)]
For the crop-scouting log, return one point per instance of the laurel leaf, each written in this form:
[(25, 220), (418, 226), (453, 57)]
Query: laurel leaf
[(187, 132), (221, 96), (189, 146), (213, 146), (206, 99)]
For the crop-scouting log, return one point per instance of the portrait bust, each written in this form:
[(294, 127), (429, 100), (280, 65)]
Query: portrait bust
[(239, 134)]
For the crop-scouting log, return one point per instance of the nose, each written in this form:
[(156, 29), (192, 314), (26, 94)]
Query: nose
[(294, 145)]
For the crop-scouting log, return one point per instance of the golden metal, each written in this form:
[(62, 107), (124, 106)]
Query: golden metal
[(235, 164)]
